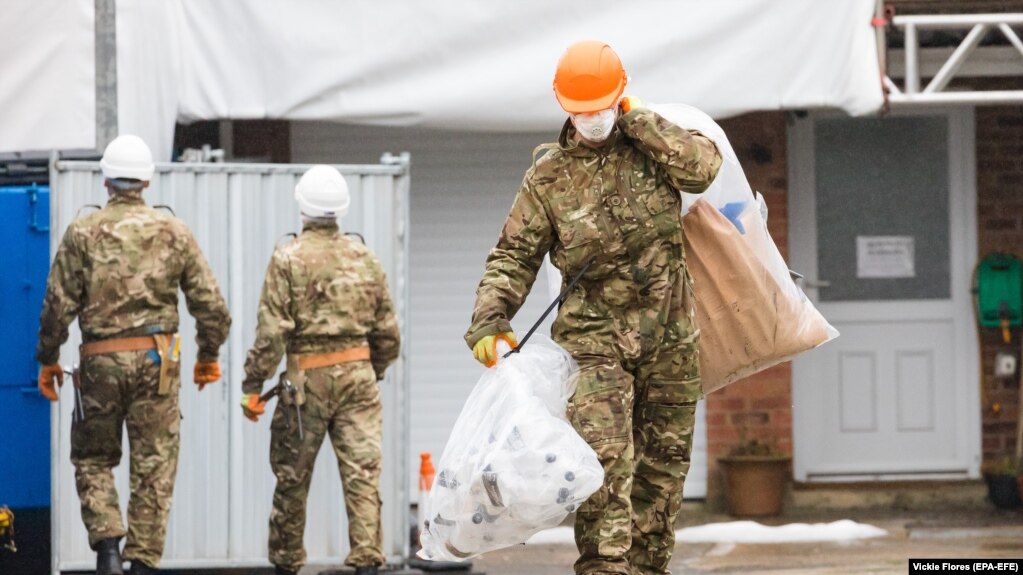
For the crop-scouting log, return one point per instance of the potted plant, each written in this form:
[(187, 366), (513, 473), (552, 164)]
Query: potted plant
[(1004, 478), (756, 477)]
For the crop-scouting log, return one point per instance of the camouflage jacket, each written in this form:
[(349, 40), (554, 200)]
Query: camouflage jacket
[(119, 270), (617, 204), (323, 292)]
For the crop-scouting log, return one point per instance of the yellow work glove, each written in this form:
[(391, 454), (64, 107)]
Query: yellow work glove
[(252, 406), (206, 372), (47, 374), (485, 349), (629, 103)]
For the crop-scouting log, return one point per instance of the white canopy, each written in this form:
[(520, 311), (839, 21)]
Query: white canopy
[(456, 64), (47, 75)]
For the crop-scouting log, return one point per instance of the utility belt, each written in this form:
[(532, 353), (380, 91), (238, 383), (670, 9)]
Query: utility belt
[(167, 346), (298, 364)]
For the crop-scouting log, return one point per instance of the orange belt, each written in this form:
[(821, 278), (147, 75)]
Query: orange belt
[(333, 358), (115, 345)]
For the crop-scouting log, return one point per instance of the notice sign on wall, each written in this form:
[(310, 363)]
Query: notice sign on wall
[(885, 257)]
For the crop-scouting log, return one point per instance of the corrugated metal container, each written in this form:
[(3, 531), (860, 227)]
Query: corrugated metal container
[(222, 498)]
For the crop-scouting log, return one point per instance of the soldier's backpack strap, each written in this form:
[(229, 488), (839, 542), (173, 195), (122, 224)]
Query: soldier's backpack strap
[(540, 152)]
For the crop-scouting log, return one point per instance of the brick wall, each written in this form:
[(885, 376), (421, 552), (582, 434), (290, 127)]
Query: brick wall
[(760, 406), (1000, 228)]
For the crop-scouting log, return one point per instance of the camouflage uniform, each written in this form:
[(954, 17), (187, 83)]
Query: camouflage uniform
[(324, 293), (119, 270), (629, 322)]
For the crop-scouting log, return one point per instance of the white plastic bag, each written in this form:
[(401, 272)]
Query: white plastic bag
[(513, 465)]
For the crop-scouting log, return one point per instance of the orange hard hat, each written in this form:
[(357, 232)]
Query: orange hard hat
[(590, 78)]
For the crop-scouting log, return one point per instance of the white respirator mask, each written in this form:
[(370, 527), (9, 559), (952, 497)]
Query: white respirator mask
[(596, 126)]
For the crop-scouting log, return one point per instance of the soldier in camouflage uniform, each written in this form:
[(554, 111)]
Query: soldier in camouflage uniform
[(326, 303), (118, 270), (607, 194)]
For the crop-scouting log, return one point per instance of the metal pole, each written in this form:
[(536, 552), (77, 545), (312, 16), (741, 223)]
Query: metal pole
[(957, 59), (106, 72), (912, 60), (403, 393), (947, 21), (56, 542), (1010, 97), (236, 361)]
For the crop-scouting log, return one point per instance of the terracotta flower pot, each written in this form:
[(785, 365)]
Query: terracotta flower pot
[(755, 485)]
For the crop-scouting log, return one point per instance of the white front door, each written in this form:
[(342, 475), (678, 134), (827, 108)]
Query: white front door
[(883, 225)]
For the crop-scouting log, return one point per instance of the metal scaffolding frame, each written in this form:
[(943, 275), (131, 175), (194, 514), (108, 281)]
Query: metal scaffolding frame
[(936, 92)]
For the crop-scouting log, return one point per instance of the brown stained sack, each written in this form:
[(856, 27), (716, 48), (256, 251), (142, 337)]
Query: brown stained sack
[(748, 322)]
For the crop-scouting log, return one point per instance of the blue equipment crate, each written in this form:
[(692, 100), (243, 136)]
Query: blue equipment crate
[(24, 413)]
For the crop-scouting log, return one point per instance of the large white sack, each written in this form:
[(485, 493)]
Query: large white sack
[(751, 313), (513, 465)]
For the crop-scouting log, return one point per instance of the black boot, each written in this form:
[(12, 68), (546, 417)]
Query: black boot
[(371, 570), (278, 570), (140, 568), (108, 557)]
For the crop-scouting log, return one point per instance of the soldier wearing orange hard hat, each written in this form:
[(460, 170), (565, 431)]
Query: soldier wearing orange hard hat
[(604, 203)]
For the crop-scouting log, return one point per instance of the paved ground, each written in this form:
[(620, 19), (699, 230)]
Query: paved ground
[(987, 533), (976, 532)]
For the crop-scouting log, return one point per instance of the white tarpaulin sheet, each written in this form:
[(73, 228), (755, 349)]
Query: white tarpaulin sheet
[(458, 64), (48, 90)]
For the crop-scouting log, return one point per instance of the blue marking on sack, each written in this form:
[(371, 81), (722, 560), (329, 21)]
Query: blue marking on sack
[(732, 211)]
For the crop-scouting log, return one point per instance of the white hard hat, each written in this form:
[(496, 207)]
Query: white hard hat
[(127, 157), (322, 193)]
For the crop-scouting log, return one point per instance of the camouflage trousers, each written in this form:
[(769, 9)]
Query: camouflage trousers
[(639, 419), (117, 389), (344, 402)]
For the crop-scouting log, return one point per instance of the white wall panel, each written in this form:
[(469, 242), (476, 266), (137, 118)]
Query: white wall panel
[(224, 486)]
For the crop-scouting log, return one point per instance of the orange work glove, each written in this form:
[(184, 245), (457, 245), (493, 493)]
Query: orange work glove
[(485, 349), (47, 374), (252, 406), (629, 103), (206, 372)]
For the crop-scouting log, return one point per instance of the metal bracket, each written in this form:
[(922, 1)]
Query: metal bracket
[(404, 159), (936, 92)]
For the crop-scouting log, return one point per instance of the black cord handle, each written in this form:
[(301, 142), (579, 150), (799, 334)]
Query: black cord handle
[(550, 308)]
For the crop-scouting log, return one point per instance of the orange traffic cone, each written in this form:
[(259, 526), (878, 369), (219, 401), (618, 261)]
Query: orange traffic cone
[(426, 472)]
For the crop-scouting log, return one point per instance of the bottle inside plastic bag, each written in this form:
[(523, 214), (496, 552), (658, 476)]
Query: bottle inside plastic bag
[(513, 465)]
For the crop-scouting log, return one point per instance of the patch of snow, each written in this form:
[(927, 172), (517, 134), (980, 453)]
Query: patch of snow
[(753, 532), (742, 532)]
